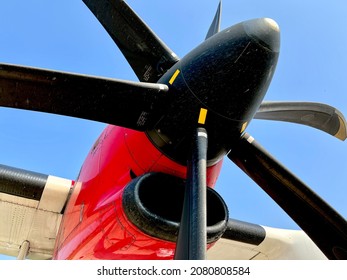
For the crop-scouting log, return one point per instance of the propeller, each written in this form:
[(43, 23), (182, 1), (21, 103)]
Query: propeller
[(192, 239), (146, 53), (319, 220), (317, 115), (123, 103), (215, 25), (225, 79)]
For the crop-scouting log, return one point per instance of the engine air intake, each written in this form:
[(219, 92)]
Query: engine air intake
[(153, 202)]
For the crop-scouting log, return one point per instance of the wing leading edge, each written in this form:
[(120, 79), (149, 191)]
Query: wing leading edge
[(32, 206), (246, 241), (31, 209)]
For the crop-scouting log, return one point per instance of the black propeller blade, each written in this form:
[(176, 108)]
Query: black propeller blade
[(319, 220), (215, 25), (317, 115), (192, 238), (149, 57), (122, 103)]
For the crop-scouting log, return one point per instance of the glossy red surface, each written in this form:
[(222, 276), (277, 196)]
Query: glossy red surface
[(94, 225)]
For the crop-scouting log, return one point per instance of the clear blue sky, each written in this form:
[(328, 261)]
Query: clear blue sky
[(64, 35)]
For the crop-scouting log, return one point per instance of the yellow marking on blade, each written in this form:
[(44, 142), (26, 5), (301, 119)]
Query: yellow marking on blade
[(244, 127), (342, 132), (202, 116), (174, 76)]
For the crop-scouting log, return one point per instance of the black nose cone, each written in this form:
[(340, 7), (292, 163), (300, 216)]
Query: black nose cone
[(266, 31)]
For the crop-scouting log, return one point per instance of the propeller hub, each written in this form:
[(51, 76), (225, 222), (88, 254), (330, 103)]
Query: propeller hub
[(230, 73), (227, 75)]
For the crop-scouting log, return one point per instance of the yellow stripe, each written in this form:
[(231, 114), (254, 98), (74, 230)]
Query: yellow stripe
[(202, 116), (244, 127), (174, 76)]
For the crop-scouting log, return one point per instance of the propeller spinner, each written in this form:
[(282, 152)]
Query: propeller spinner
[(227, 77)]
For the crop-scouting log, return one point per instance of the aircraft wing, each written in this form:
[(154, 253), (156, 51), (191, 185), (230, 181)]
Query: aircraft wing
[(31, 206), (246, 241)]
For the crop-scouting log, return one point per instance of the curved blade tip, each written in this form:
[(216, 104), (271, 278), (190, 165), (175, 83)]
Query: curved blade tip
[(342, 132)]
